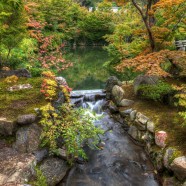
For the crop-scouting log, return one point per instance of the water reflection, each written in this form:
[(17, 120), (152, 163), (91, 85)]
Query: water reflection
[(87, 72)]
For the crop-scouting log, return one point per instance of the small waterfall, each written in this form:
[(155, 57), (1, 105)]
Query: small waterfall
[(89, 99), (118, 161)]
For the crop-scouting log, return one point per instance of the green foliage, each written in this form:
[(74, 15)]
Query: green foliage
[(181, 96), (13, 27), (125, 42), (71, 125), (40, 178), (155, 92)]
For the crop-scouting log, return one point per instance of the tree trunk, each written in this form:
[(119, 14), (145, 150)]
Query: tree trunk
[(145, 20)]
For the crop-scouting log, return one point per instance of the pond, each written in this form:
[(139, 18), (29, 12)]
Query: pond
[(87, 72)]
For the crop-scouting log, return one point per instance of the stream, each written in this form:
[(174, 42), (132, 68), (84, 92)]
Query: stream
[(119, 162)]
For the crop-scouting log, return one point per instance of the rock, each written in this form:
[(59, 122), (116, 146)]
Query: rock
[(62, 153), (60, 100), (54, 169), (177, 66), (7, 127), (160, 138), (18, 73), (126, 103), (144, 80), (28, 138), (113, 109), (117, 94), (159, 161), (77, 102), (26, 119), (19, 87), (133, 132), (40, 155), (61, 80), (169, 181), (178, 166), (167, 157), (110, 83), (124, 113), (133, 115), (150, 126), (16, 168), (141, 118)]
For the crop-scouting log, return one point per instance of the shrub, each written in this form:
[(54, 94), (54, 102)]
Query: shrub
[(181, 96), (64, 122), (71, 125), (155, 92)]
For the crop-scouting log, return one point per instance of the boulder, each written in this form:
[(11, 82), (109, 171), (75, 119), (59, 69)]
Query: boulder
[(160, 138), (144, 80), (54, 169), (126, 103), (141, 118), (41, 154), (178, 166), (133, 132), (16, 168), (168, 156), (26, 119), (133, 115), (77, 102), (28, 138), (110, 83), (18, 73), (124, 113), (150, 126), (62, 153), (117, 94), (61, 80), (7, 127)]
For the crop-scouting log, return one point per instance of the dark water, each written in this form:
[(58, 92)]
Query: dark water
[(87, 72), (119, 163)]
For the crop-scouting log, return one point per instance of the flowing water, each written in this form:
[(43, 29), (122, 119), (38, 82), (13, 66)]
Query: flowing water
[(119, 162)]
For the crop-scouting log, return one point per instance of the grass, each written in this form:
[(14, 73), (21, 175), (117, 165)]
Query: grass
[(22, 101), (165, 118)]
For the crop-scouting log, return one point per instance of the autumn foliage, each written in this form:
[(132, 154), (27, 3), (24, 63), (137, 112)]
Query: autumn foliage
[(152, 63)]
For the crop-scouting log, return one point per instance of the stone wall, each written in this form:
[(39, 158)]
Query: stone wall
[(142, 130)]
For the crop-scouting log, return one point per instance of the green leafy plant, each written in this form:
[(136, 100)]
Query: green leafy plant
[(40, 178), (155, 92), (181, 96), (72, 126)]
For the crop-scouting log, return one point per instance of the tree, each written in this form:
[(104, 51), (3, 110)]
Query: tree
[(13, 27)]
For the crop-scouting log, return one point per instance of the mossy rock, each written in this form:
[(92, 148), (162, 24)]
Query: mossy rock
[(20, 102)]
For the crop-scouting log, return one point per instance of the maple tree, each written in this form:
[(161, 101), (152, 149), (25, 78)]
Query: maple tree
[(152, 63), (49, 51)]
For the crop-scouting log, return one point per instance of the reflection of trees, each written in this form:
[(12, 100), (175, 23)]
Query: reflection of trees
[(87, 65)]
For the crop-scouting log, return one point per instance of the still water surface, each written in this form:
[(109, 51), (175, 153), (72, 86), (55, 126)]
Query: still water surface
[(87, 72)]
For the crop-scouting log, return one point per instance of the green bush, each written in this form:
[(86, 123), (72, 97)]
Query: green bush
[(155, 92), (72, 125)]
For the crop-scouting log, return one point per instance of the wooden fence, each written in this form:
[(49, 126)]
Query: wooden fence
[(181, 45)]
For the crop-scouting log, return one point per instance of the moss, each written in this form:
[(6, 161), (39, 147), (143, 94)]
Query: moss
[(175, 154), (155, 92), (8, 139), (22, 101), (165, 117)]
